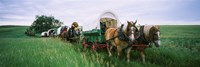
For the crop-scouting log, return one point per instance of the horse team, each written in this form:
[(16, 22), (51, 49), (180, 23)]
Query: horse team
[(129, 37)]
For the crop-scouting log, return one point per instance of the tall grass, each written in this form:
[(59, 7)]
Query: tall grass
[(40, 52), (16, 49)]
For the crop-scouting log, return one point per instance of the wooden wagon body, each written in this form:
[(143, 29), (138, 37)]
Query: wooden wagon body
[(95, 38)]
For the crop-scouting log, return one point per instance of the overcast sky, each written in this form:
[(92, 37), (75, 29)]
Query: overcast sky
[(86, 12)]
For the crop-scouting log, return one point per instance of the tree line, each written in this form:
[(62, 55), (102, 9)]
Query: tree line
[(42, 23)]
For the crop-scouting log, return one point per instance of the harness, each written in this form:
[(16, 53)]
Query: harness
[(142, 38), (120, 35)]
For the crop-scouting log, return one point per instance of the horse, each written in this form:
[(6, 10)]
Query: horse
[(148, 34), (121, 38), (64, 31), (73, 32)]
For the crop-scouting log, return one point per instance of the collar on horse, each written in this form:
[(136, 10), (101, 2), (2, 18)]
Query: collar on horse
[(121, 35), (142, 37)]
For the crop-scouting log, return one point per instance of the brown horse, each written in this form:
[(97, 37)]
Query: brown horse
[(148, 35), (64, 33), (113, 38)]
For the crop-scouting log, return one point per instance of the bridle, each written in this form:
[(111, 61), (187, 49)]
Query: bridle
[(134, 31), (155, 33)]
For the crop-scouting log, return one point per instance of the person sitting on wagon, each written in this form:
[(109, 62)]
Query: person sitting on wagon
[(103, 27)]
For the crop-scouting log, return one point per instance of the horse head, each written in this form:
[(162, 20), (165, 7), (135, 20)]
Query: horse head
[(77, 31), (132, 30), (156, 35)]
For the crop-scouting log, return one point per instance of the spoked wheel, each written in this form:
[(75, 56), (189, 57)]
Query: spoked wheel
[(84, 44), (93, 48)]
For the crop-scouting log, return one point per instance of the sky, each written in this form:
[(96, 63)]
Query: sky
[(87, 12)]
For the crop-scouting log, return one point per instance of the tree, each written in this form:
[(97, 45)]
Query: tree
[(44, 23)]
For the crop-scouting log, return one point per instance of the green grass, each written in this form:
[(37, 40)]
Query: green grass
[(180, 47), (16, 49), (180, 31)]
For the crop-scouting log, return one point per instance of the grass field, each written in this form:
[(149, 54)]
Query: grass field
[(180, 47)]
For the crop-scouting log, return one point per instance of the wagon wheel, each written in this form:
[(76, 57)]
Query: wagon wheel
[(94, 48), (84, 44)]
